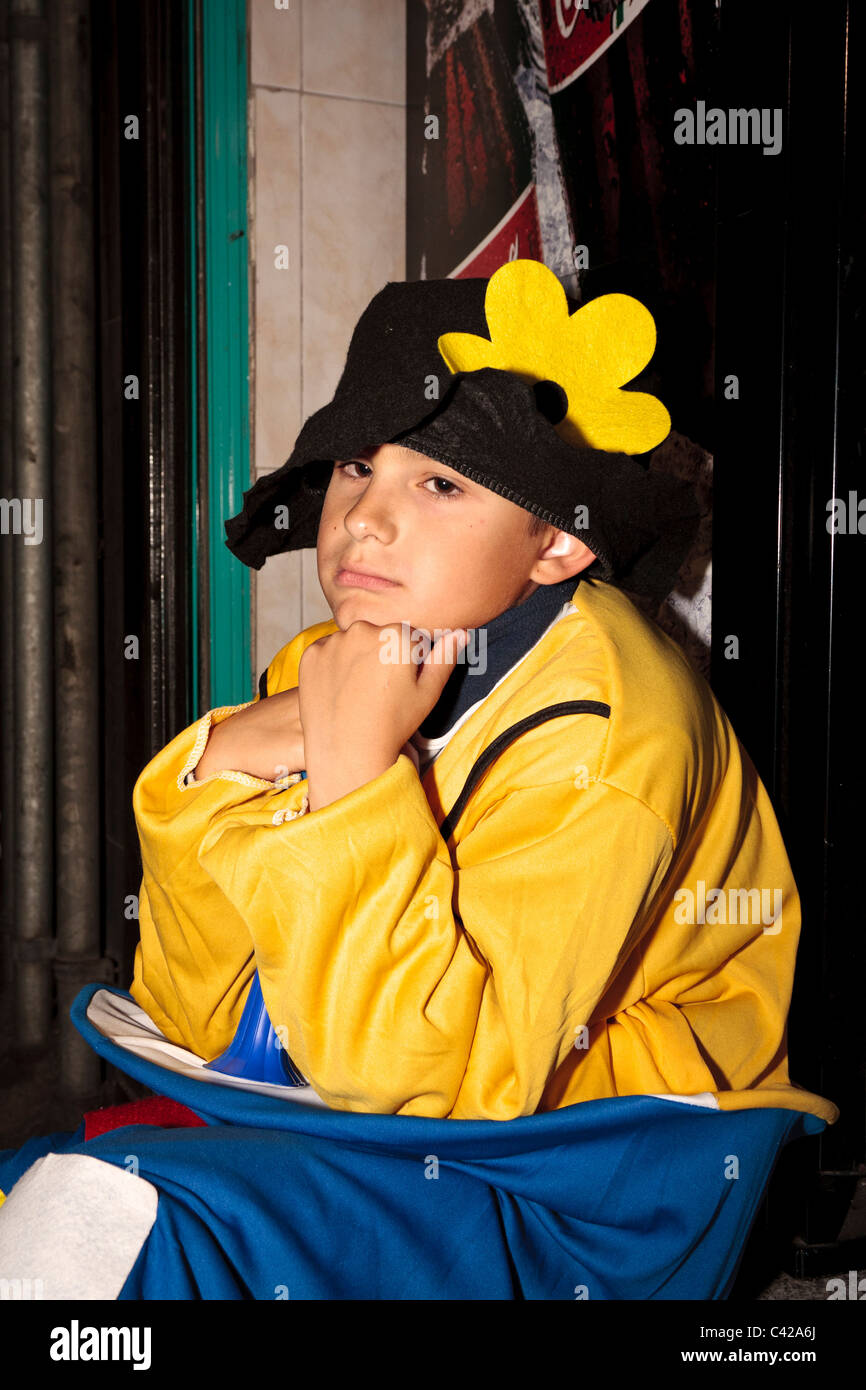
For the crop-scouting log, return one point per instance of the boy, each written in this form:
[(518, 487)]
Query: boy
[(545, 876), (492, 894)]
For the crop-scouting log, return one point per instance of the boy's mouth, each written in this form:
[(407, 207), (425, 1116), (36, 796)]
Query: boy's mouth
[(363, 580)]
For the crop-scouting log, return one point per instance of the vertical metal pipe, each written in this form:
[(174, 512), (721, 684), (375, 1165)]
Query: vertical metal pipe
[(33, 635), (76, 612), (7, 489), (199, 330)]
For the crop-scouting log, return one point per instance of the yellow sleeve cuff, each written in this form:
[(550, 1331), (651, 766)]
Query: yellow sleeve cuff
[(245, 779)]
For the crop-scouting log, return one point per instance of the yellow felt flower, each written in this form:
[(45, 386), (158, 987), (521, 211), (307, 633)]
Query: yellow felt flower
[(591, 353)]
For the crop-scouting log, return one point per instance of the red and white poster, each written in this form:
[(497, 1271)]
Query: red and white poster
[(574, 39)]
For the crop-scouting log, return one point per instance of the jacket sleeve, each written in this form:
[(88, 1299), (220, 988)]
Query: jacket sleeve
[(405, 983), (194, 959)]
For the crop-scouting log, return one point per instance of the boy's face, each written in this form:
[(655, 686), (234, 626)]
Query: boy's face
[(457, 554)]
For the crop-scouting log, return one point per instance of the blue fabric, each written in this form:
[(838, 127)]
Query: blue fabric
[(627, 1198)]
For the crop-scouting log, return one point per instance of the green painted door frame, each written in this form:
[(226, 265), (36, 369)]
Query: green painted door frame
[(219, 342)]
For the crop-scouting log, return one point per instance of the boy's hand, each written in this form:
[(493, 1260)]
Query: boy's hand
[(358, 708), (265, 740)]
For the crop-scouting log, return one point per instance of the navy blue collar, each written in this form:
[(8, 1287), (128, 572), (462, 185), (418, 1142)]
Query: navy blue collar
[(509, 637)]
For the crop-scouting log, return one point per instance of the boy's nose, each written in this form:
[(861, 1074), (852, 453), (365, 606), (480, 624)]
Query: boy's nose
[(371, 517)]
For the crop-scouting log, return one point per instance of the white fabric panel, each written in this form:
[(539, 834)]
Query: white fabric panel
[(73, 1227)]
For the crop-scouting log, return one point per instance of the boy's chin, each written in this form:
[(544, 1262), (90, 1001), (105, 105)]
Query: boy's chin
[(380, 616)]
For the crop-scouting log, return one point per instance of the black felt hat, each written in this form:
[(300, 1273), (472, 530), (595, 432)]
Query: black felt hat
[(520, 432)]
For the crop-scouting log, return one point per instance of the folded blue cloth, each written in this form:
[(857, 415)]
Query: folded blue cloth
[(632, 1197)]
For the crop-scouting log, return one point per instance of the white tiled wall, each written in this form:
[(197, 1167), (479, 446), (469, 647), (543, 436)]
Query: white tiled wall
[(327, 171)]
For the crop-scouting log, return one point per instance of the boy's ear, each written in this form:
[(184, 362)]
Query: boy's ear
[(565, 546), (564, 557)]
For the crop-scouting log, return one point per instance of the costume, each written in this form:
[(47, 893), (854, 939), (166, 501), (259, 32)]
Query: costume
[(537, 885), (280, 1193), (556, 966), (536, 412)]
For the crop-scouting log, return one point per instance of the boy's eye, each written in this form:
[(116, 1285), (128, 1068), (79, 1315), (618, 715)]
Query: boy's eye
[(352, 463), (448, 483), (453, 489)]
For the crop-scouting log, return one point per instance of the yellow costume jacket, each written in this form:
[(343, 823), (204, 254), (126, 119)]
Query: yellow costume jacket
[(586, 895)]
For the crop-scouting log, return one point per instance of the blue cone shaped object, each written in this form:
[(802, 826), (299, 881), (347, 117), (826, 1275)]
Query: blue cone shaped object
[(256, 1052)]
